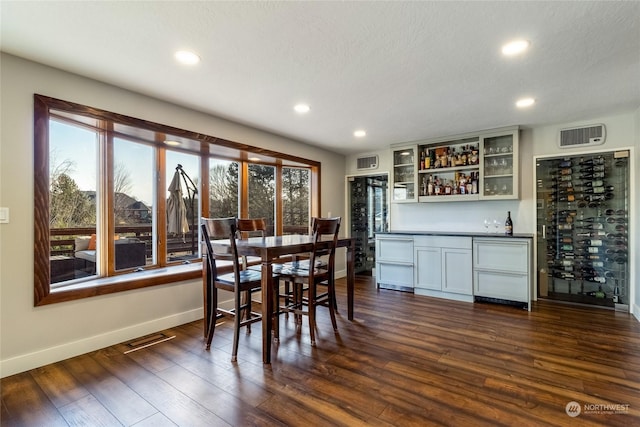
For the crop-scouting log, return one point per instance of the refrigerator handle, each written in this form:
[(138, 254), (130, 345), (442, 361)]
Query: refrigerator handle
[(544, 231)]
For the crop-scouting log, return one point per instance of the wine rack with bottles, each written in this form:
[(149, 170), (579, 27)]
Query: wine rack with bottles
[(585, 211), (477, 166)]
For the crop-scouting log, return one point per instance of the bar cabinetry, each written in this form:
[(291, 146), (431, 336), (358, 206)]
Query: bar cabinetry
[(443, 267), (469, 167), (502, 269), (394, 261)]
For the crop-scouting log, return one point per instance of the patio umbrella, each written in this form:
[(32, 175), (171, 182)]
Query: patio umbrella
[(176, 209)]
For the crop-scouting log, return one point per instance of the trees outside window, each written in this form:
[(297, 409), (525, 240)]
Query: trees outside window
[(295, 200)]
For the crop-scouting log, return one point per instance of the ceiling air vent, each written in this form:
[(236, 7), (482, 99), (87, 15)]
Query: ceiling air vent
[(579, 137), (370, 162)]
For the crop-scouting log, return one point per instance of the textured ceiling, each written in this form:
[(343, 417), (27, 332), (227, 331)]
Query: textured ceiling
[(401, 70)]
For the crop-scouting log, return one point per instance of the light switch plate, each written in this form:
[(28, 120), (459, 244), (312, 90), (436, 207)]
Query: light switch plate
[(4, 215)]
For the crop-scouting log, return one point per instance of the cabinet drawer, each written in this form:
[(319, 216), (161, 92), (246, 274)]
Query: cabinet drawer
[(394, 274), (395, 249), (456, 242), (513, 287), (501, 254)]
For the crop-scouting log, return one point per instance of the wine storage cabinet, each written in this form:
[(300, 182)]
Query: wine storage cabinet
[(479, 166), (583, 238)]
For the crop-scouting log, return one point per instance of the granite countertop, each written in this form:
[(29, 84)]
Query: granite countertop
[(460, 233)]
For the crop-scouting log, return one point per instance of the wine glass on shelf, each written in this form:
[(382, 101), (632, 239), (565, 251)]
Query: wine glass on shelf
[(487, 223), (496, 224)]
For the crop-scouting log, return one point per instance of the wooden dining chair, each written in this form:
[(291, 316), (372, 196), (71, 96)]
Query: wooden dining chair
[(325, 238), (242, 283)]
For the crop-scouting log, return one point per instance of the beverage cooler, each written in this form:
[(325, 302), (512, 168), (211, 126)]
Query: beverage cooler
[(582, 222)]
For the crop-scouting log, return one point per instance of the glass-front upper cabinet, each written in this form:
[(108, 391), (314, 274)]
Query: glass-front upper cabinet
[(499, 166), (404, 174)]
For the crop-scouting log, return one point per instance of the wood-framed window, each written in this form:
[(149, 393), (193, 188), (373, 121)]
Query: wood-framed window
[(104, 215)]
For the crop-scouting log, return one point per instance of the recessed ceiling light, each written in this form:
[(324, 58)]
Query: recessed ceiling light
[(359, 133), (172, 142), (301, 108), (254, 159), (186, 57), (515, 47), (525, 102)]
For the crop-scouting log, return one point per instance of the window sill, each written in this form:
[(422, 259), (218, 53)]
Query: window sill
[(120, 283)]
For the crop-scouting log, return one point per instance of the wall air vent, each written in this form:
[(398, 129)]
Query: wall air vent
[(370, 162), (579, 137)]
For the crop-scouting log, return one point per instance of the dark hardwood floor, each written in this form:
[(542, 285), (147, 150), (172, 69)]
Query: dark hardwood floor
[(405, 361)]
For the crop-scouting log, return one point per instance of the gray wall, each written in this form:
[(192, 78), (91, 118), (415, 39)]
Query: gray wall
[(34, 336)]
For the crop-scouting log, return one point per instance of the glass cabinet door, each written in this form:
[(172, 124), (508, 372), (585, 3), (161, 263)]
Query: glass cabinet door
[(404, 174), (500, 166), (582, 216)]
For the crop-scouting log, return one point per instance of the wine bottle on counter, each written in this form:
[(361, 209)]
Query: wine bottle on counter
[(508, 225)]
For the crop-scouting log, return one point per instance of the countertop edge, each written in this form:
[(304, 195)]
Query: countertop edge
[(457, 233)]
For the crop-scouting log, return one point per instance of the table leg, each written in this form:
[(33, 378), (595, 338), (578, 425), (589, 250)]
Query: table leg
[(351, 277), (267, 309)]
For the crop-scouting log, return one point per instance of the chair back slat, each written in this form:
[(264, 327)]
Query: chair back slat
[(249, 227), (325, 236), (221, 229)]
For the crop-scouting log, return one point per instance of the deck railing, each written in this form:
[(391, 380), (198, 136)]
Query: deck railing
[(62, 240)]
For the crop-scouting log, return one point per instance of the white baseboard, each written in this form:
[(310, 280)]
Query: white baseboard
[(635, 310), (57, 353)]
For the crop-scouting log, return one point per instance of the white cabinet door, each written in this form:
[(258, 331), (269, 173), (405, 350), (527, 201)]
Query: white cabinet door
[(428, 268), (457, 270)]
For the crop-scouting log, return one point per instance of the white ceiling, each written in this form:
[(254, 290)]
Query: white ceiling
[(403, 71)]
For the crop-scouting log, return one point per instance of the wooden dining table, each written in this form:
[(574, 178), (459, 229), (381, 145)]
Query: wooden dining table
[(269, 249)]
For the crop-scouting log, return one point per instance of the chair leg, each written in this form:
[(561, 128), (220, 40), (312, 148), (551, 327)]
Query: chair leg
[(276, 310), (331, 304), (213, 315), (287, 299), (298, 296), (246, 302), (312, 312), (236, 326)]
